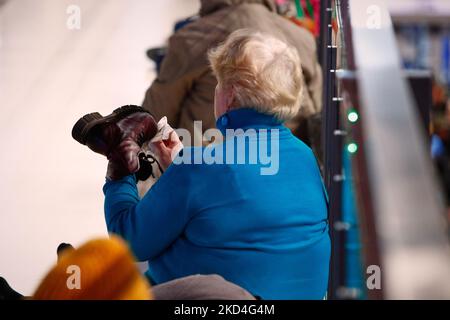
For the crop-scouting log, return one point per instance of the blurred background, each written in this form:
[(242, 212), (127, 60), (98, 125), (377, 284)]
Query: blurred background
[(50, 75)]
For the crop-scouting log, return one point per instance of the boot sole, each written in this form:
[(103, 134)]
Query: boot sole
[(84, 125)]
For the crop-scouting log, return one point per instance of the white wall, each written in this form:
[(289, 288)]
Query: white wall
[(50, 186)]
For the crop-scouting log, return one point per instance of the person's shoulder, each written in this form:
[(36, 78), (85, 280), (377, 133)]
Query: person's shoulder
[(301, 148), (200, 32), (189, 45)]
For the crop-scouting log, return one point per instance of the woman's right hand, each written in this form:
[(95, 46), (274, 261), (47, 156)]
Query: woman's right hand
[(167, 150)]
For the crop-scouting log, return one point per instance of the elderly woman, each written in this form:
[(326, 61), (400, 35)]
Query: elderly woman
[(268, 232)]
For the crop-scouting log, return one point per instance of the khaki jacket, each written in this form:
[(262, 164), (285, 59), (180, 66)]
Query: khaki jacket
[(184, 88)]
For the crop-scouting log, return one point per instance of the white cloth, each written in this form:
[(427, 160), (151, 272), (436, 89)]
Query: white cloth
[(164, 130)]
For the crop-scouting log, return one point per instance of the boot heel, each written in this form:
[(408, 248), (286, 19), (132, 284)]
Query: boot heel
[(82, 127)]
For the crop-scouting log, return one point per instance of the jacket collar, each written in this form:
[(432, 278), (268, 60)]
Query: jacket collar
[(244, 118), (210, 6)]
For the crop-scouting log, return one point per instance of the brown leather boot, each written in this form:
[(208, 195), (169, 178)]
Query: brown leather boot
[(118, 136)]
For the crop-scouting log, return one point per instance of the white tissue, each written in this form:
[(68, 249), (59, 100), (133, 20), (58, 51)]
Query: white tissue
[(164, 130)]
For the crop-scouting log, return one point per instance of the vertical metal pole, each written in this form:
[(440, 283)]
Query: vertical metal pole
[(323, 32), (332, 148)]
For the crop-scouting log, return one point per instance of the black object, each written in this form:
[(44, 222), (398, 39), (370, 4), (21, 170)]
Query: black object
[(421, 84), (332, 145), (157, 56), (63, 247), (8, 293), (146, 169)]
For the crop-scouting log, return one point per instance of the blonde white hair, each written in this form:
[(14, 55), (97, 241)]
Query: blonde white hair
[(264, 72)]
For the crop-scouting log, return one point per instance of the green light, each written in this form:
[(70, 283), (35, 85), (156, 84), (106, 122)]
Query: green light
[(353, 116), (352, 147)]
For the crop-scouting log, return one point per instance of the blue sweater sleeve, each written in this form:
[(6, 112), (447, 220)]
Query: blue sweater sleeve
[(149, 225)]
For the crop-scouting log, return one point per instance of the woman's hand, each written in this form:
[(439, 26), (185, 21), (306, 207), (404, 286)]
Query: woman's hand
[(167, 150)]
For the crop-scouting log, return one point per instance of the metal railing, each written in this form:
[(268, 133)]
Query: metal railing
[(400, 207)]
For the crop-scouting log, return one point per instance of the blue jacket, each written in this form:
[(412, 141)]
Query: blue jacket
[(265, 232)]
